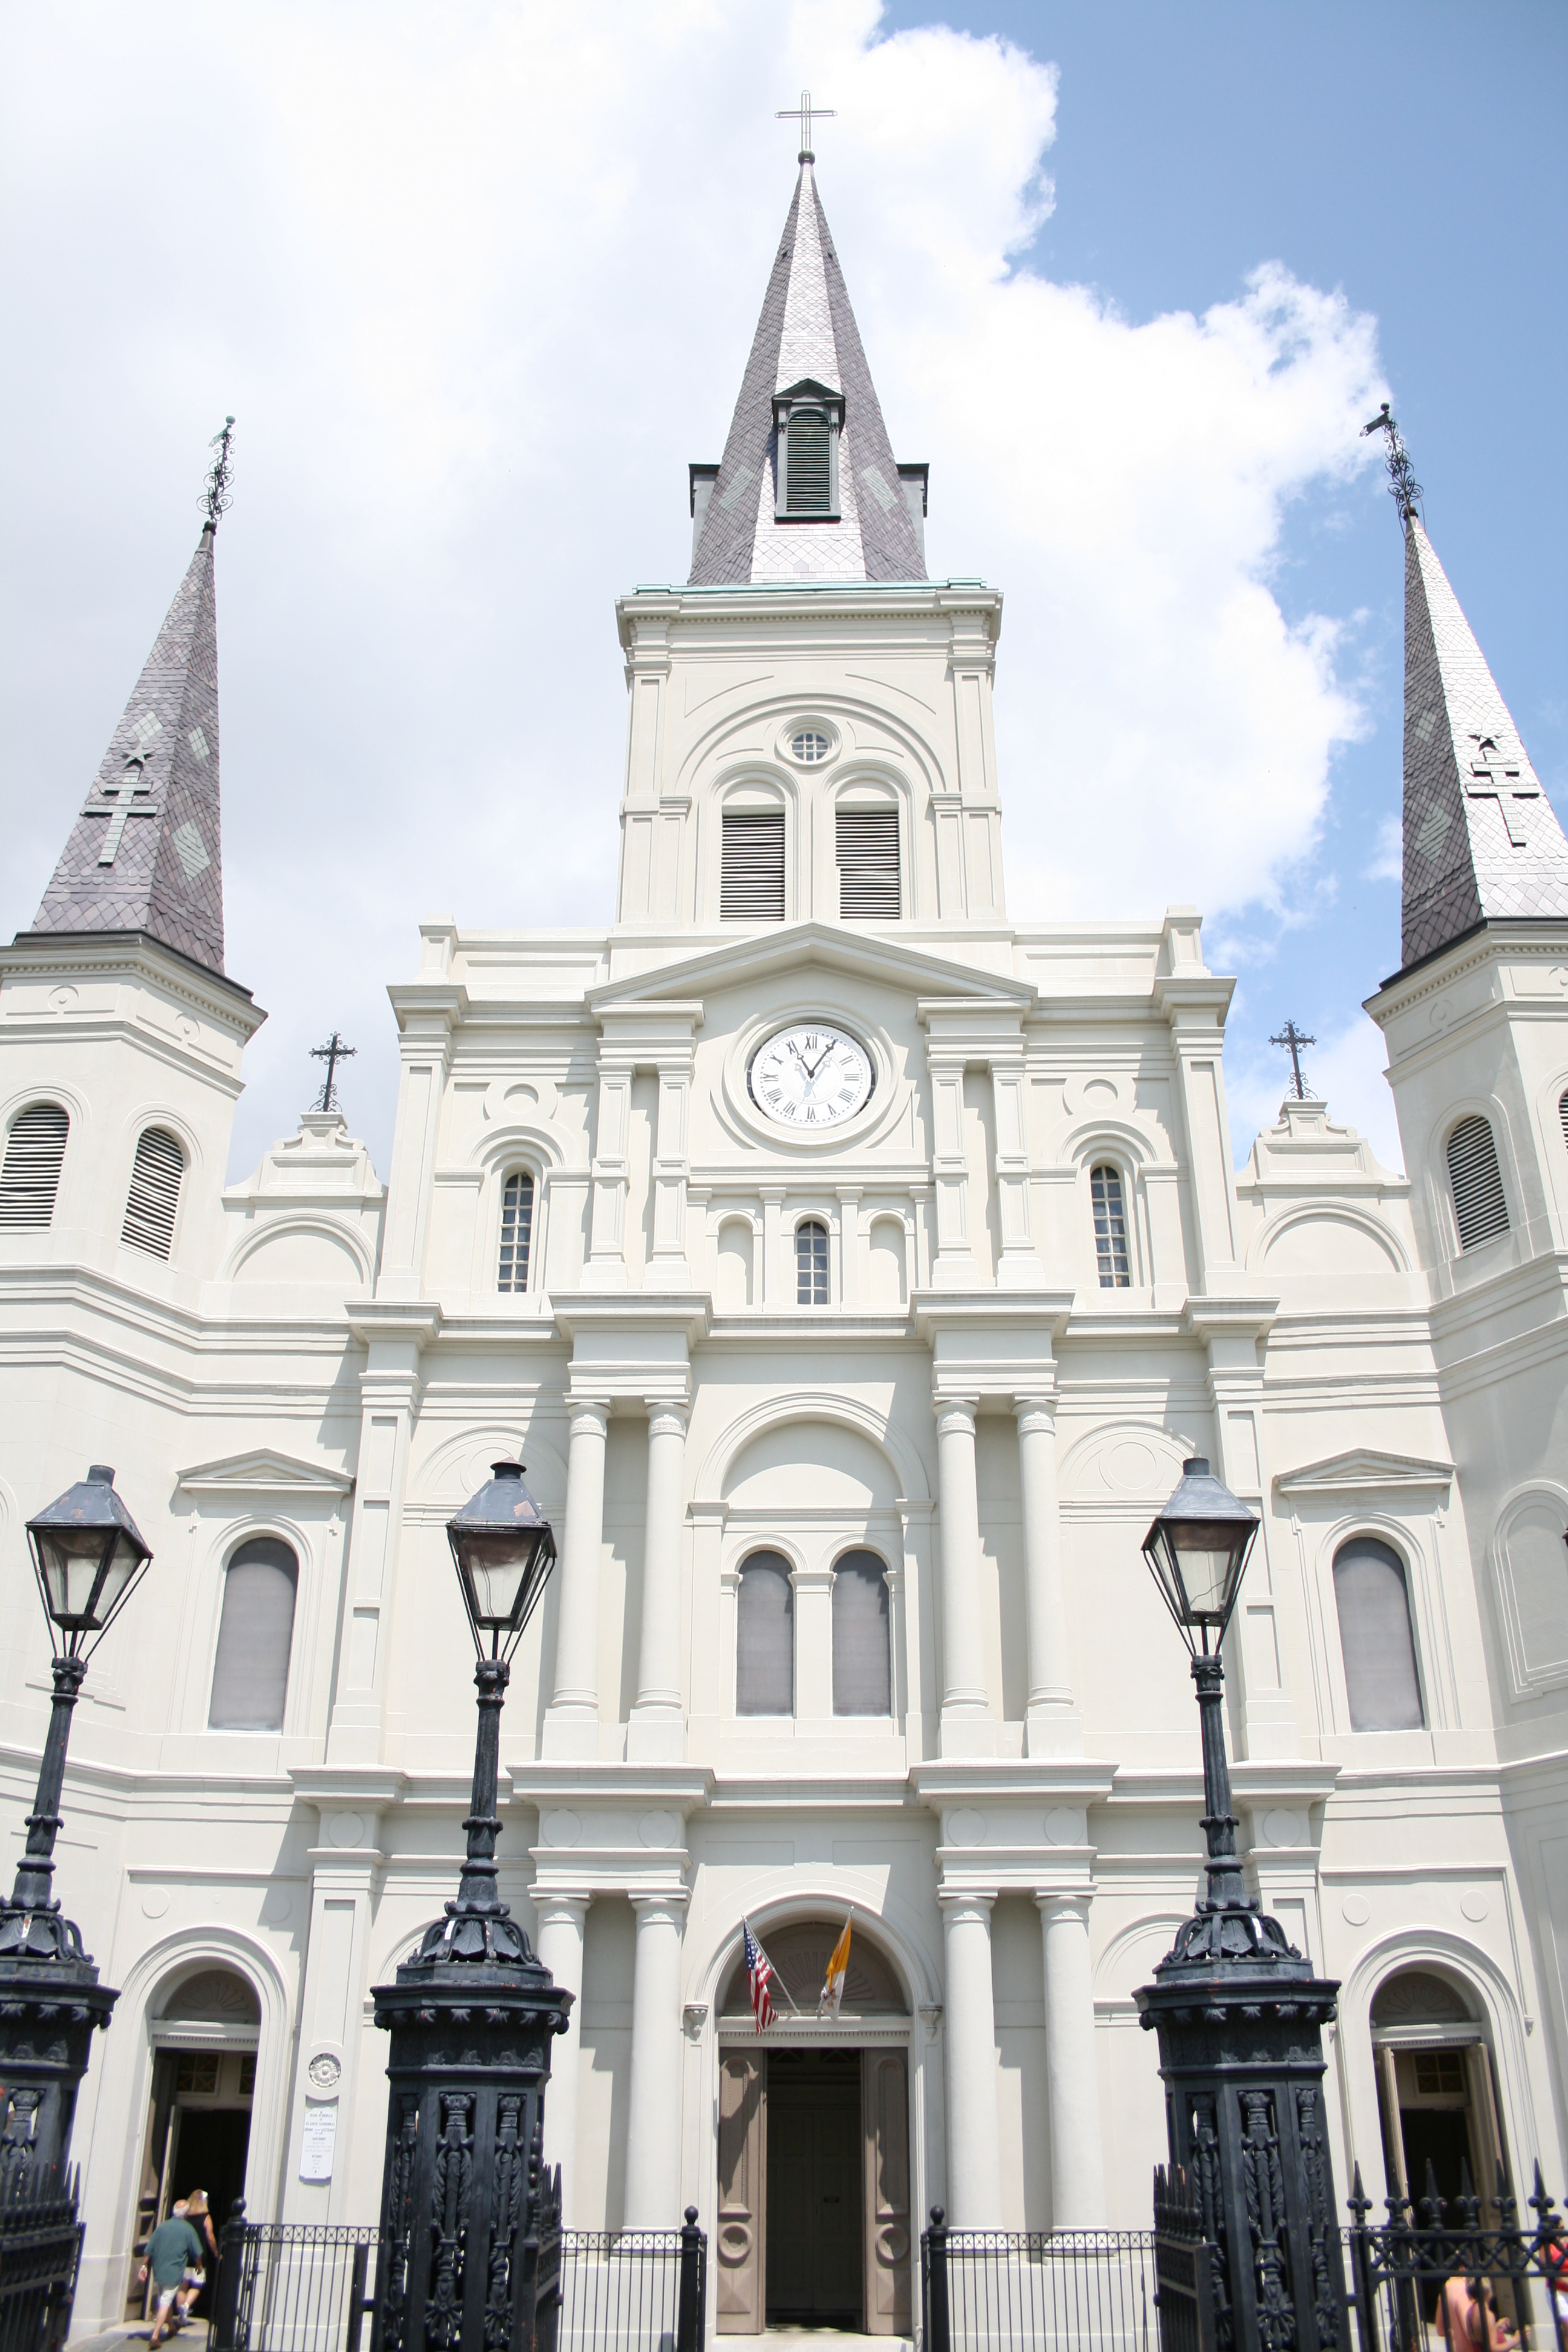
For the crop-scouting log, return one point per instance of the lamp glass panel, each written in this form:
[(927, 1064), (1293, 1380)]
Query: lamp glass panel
[(1205, 1556), (72, 1557), (121, 1569), (497, 1568)]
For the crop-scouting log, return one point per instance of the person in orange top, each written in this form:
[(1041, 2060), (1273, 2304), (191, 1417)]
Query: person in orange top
[(1465, 2321)]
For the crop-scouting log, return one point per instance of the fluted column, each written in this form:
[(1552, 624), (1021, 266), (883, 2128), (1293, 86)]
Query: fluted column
[(1072, 2077), (653, 2109), (973, 2162), (572, 1726), (654, 1734), (965, 1726), (1053, 1725), (561, 1919)]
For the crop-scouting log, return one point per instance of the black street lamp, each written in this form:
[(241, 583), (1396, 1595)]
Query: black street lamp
[(466, 2202), (87, 1556), (1238, 2010)]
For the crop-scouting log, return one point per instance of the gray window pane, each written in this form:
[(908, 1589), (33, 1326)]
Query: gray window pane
[(1380, 1680), (250, 1677), (764, 1643), (862, 1659)]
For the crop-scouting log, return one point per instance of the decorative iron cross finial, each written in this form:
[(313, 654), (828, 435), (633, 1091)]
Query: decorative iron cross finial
[(1403, 487), (333, 1052), (1290, 1037), (1499, 775), (217, 496), (804, 111)]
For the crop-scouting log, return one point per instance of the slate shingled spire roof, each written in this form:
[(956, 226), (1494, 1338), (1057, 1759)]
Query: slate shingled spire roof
[(1482, 843), (145, 853), (806, 330)]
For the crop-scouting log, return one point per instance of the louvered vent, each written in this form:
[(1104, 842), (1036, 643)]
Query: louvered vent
[(30, 1177), (1563, 1115), (867, 863), (1480, 1209), (154, 1194), (752, 890), (806, 489)]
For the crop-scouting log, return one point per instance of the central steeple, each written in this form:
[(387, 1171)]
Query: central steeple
[(808, 489)]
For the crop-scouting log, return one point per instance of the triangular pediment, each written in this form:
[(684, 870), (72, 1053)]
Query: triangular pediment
[(263, 1471), (796, 946), (1363, 1469)]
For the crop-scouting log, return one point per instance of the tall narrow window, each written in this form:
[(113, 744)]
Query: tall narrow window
[(516, 1231), (1480, 1206), (811, 1263), (35, 1150), (752, 886), (155, 1195), (1110, 1228), (1374, 1603), (862, 1658), (250, 1674), (809, 486), (868, 846), (764, 1637), (1563, 1115)]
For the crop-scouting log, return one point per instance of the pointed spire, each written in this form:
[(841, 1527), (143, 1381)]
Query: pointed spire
[(807, 334), (1482, 843), (145, 853)]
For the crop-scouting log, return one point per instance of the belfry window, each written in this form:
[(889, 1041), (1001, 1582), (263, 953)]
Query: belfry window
[(1563, 1115), (868, 852), (862, 1659), (516, 1231), (807, 419), (30, 1177), (1480, 1205), (154, 1199), (1110, 1228), (811, 1263), (1374, 1603), (251, 1674), (752, 883), (764, 1637)]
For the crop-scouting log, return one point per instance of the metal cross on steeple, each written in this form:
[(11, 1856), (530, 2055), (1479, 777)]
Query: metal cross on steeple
[(1290, 1037), (803, 112), (1403, 487), (333, 1052)]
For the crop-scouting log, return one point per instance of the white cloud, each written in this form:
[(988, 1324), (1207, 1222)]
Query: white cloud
[(477, 282)]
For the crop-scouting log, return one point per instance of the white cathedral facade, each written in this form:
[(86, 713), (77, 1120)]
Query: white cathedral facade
[(853, 1269)]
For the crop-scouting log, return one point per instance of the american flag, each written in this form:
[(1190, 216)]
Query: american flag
[(759, 1970)]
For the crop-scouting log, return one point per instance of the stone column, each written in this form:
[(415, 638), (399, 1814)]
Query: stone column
[(974, 2161), (654, 1734), (560, 1945), (653, 2109), (1072, 2078), (1054, 1727), (964, 1715), (572, 1726)]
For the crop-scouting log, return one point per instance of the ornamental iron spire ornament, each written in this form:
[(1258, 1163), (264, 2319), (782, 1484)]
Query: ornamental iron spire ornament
[(1292, 1039), (803, 115), (1403, 487), (217, 497), (333, 1052)]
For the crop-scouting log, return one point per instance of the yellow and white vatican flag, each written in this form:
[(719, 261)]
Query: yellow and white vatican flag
[(832, 1994)]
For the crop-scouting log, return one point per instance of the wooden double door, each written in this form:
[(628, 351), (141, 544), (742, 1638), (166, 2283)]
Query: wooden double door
[(813, 2190)]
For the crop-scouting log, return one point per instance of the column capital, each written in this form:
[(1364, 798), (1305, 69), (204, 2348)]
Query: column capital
[(665, 1419), (552, 1904), (1036, 1410), (961, 1902), (1054, 1905), (955, 1412), (672, 1901), (585, 1409)]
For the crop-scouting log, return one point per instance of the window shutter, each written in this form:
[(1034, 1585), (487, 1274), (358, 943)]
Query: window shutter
[(1110, 1229), (1563, 1115), (1380, 1680), (752, 890), (250, 1675), (807, 486), (154, 1194), (35, 1149), (1480, 1206), (764, 1637), (867, 863), (516, 1231), (811, 1263), (862, 1659)]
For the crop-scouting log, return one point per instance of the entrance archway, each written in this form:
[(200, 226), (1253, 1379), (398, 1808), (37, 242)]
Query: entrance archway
[(814, 2220), (205, 2033), (1436, 2100)]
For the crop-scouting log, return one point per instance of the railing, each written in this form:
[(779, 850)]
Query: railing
[(293, 2286), (1076, 2290), (1436, 2265), (1184, 2264), (633, 2290), (40, 2247)]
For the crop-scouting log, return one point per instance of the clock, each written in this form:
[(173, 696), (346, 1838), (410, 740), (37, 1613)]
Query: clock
[(810, 1074)]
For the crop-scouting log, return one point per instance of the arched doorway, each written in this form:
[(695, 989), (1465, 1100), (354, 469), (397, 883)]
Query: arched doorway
[(204, 2031), (814, 2144), (1435, 2095)]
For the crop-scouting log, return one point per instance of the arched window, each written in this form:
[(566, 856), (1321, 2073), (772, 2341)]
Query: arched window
[(811, 1263), (1374, 1603), (30, 1177), (866, 848), (752, 871), (764, 1637), (1480, 1207), (155, 1195), (1562, 1114), (808, 481), (862, 1657), (516, 1231), (1109, 1227), (250, 1674)]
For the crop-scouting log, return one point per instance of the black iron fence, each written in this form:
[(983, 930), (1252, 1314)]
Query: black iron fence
[(40, 2247), (1076, 2290), (627, 2289), (1459, 2271), (293, 2286)]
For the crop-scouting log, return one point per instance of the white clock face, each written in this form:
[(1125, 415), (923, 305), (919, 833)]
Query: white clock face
[(811, 1074)]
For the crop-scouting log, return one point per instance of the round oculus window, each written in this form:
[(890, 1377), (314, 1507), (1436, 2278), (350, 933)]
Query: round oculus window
[(809, 746), (810, 1074)]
